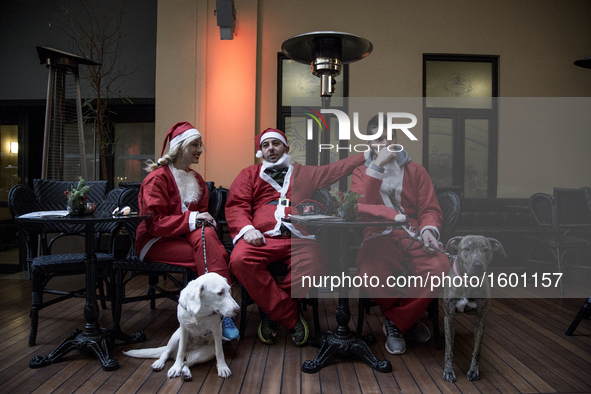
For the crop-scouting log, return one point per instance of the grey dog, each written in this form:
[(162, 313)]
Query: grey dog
[(474, 253)]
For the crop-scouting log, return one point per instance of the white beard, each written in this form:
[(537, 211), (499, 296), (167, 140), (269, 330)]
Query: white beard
[(188, 186), (284, 161), (392, 182)]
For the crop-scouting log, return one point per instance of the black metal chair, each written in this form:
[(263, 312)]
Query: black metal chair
[(45, 267), (278, 269), (131, 267), (449, 203)]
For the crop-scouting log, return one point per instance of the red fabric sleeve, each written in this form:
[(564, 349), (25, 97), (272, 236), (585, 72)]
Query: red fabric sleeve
[(240, 202)]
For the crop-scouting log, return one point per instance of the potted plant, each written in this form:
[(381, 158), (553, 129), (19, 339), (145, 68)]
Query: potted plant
[(348, 208), (77, 198)]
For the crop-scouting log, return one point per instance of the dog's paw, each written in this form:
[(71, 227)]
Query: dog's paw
[(175, 371), (449, 375), (473, 374), (224, 372), (158, 365), (186, 373)]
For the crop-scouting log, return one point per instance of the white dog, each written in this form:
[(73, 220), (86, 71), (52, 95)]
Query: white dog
[(199, 337)]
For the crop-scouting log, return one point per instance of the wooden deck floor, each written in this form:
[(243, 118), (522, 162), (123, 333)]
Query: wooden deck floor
[(525, 351)]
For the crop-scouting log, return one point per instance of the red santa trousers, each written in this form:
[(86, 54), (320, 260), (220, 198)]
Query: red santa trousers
[(382, 257), (249, 265), (187, 251)]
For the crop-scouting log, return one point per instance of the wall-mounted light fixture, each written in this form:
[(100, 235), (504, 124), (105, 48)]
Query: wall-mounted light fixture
[(14, 147), (226, 14)]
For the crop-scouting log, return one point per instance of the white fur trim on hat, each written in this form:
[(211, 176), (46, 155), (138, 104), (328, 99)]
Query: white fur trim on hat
[(181, 137), (272, 134), (259, 154)]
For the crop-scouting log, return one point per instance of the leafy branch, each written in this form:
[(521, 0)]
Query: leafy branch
[(96, 31)]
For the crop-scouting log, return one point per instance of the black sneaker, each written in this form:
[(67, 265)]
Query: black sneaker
[(419, 333), (267, 330), (299, 332)]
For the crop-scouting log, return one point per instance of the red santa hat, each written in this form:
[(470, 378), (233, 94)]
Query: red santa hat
[(269, 133), (177, 134)]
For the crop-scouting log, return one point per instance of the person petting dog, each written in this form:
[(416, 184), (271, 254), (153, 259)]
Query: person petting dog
[(260, 196), (176, 198), (392, 184)]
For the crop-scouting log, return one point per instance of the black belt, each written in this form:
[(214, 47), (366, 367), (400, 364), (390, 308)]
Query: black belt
[(284, 201), (285, 232)]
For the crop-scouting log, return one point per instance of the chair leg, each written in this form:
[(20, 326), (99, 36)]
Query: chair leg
[(243, 305), (317, 330), (152, 282), (584, 313), (362, 309), (36, 302), (433, 311), (34, 324), (119, 296)]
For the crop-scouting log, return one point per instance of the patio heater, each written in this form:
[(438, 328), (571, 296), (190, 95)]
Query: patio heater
[(64, 153), (326, 52)]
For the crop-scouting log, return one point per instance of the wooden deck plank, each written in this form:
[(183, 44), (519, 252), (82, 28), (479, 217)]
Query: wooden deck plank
[(524, 350)]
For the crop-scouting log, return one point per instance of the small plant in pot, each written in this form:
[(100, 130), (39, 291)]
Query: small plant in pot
[(77, 198), (348, 208)]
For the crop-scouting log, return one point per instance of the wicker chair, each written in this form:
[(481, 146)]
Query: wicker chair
[(131, 267)]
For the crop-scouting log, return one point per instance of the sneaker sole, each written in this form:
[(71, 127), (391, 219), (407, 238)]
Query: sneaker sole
[(425, 341), (263, 340), (386, 344), (307, 331)]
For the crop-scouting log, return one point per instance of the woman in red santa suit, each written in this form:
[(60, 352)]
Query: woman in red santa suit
[(176, 198)]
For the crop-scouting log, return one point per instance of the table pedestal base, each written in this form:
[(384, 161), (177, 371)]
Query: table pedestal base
[(333, 344), (98, 343)]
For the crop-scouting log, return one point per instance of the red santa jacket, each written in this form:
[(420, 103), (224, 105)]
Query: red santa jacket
[(417, 198), (159, 197), (251, 192)]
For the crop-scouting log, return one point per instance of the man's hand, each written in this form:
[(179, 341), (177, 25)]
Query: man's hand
[(384, 157), (254, 237), (205, 216), (430, 243)]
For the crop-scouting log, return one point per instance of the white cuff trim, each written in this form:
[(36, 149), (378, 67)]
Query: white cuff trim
[(241, 233), (431, 228), (192, 219), (374, 174)]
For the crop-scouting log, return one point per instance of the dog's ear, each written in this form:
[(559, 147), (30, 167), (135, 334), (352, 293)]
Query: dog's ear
[(453, 244), (497, 247), (190, 297)]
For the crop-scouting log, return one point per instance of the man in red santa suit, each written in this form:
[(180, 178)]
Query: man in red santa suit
[(259, 197), (176, 198), (392, 184)]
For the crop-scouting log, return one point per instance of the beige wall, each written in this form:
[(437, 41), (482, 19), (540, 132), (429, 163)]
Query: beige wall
[(537, 41)]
